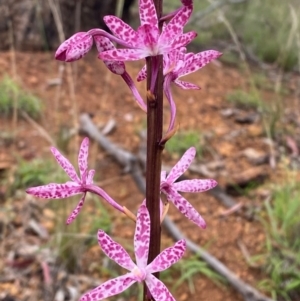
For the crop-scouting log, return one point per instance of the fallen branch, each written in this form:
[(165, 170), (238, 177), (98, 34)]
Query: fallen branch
[(130, 162)]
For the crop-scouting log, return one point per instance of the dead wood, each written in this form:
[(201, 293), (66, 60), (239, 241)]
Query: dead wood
[(128, 160)]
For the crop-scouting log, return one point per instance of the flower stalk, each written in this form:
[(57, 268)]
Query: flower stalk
[(154, 151)]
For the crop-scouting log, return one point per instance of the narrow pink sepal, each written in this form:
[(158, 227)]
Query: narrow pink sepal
[(167, 257), (121, 29), (90, 176), (109, 288), (176, 25), (115, 251), (142, 74), (65, 164), (83, 158), (75, 47), (104, 44), (182, 165), (183, 40), (147, 37), (195, 185), (55, 191), (123, 55), (147, 13), (186, 85), (198, 61), (157, 289), (185, 208), (76, 211), (142, 236)]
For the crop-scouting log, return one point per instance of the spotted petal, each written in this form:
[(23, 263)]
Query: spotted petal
[(181, 40), (142, 74), (195, 185), (104, 44), (186, 85), (198, 61), (56, 191), (90, 176), (109, 288), (65, 164), (115, 251), (148, 37), (167, 257), (182, 165), (83, 158), (121, 29), (76, 211), (142, 236), (123, 54), (147, 13), (176, 25), (157, 289), (185, 207)]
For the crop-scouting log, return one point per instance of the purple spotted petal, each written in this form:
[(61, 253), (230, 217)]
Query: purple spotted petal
[(76, 211), (142, 237), (109, 288), (121, 29), (90, 176), (195, 185), (175, 26), (148, 37), (167, 257), (182, 165), (157, 289), (56, 191), (185, 208), (104, 44), (198, 61), (75, 47), (65, 164), (142, 74), (186, 85), (123, 54), (82, 158), (182, 40), (115, 251), (148, 13)]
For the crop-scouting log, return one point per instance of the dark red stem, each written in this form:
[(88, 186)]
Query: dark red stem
[(154, 151)]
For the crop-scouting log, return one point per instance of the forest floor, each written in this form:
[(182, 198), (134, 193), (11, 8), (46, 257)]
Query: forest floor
[(42, 259)]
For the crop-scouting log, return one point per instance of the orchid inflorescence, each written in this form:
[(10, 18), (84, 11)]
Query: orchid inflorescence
[(153, 38)]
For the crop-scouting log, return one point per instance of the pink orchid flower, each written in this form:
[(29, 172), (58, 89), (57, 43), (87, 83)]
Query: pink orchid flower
[(170, 188), (147, 40), (178, 63), (76, 185), (140, 271), (75, 47)]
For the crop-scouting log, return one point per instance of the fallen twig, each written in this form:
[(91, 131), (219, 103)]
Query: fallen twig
[(128, 160)]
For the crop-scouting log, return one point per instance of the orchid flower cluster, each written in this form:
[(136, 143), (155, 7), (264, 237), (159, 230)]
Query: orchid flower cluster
[(155, 37)]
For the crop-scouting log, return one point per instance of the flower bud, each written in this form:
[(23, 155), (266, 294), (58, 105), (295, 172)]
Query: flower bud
[(75, 47)]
